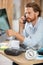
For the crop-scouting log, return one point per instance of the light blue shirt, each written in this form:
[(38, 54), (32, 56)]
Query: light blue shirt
[(34, 34)]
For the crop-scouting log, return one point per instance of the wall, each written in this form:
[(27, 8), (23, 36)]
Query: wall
[(8, 4), (42, 7)]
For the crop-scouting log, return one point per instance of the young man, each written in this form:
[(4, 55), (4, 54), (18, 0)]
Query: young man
[(32, 34)]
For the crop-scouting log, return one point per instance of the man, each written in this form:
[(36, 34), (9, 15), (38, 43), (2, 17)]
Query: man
[(32, 34)]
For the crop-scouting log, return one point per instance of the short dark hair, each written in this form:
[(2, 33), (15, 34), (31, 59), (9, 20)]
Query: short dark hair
[(35, 7)]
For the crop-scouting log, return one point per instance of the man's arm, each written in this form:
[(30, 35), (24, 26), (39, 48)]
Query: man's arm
[(16, 34), (28, 41), (21, 27)]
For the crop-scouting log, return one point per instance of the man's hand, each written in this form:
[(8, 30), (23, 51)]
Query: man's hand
[(22, 19), (17, 35), (10, 32)]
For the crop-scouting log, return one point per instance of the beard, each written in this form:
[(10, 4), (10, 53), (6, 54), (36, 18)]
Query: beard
[(31, 19)]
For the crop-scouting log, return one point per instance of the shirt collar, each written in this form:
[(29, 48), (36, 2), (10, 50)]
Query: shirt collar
[(35, 26)]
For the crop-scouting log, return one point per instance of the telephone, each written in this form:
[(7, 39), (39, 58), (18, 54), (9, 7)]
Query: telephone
[(25, 19)]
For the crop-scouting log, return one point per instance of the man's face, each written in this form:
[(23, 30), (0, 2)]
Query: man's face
[(30, 14)]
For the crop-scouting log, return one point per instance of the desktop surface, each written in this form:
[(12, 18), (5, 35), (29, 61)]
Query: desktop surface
[(21, 60)]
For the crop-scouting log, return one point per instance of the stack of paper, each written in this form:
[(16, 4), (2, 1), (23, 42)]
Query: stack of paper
[(3, 46)]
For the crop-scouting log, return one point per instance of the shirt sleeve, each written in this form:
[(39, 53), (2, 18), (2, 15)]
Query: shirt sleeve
[(35, 38)]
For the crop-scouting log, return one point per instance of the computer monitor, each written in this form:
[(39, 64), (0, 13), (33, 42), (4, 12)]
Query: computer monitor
[(4, 22)]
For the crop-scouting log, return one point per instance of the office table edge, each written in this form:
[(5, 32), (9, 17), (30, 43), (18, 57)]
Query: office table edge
[(21, 60)]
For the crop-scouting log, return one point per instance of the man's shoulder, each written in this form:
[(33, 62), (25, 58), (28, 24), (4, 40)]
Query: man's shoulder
[(41, 18), (40, 23)]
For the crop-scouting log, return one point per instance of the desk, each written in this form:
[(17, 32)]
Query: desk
[(21, 59)]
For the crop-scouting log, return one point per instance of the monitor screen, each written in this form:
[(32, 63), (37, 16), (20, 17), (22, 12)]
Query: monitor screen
[(4, 22)]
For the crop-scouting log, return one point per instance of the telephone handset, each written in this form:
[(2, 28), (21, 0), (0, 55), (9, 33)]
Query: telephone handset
[(24, 21)]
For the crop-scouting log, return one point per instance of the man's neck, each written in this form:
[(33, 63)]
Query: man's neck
[(35, 21)]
